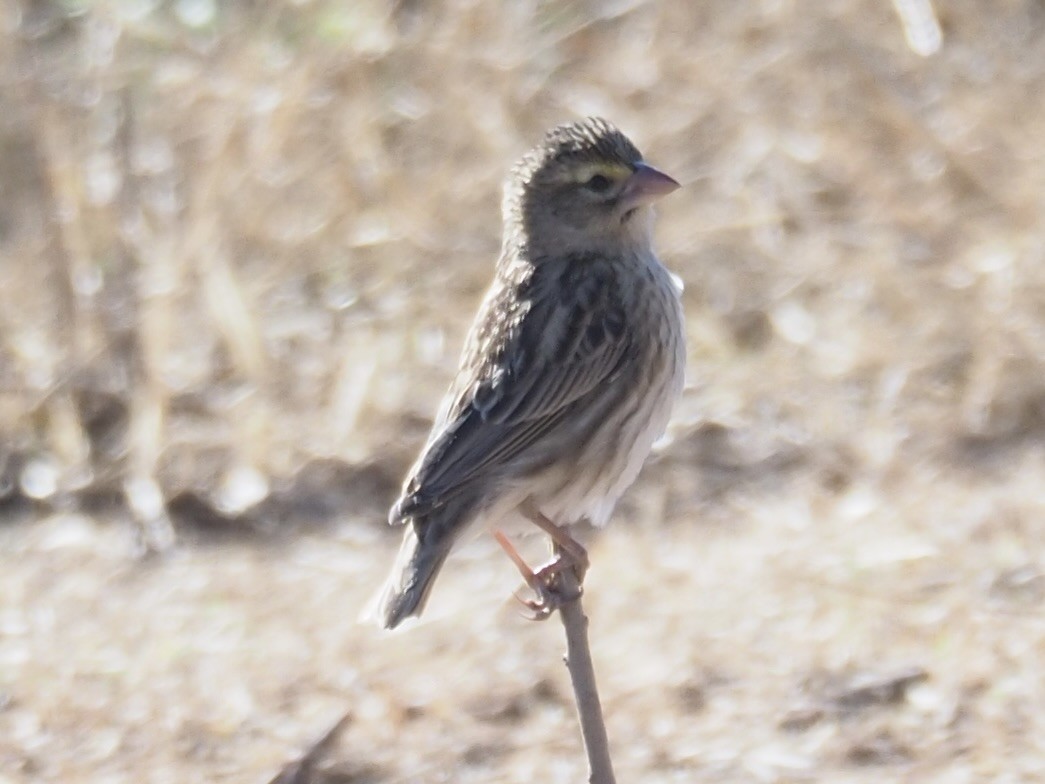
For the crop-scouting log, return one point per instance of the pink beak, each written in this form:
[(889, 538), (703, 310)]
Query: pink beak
[(645, 186)]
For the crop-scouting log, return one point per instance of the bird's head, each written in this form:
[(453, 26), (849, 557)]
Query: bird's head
[(584, 187)]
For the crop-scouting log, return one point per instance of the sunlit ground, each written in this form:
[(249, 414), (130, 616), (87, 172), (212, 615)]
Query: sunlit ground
[(239, 247)]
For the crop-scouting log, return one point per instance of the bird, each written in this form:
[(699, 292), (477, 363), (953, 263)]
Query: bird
[(569, 371)]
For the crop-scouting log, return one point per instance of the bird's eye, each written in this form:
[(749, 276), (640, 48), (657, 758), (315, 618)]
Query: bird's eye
[(599, 183)]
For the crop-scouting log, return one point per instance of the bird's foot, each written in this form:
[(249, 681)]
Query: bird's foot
[(548, 586), (563, 544), (545, 582)]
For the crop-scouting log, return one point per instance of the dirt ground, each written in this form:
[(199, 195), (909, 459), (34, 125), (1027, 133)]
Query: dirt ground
[(239, 246)]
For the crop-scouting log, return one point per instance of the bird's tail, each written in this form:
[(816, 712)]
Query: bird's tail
[(407, 588)]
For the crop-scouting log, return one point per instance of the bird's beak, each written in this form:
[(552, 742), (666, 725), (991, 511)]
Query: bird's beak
[(645, 186)]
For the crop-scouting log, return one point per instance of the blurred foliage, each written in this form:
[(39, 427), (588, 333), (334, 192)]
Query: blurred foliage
[(241, 238)]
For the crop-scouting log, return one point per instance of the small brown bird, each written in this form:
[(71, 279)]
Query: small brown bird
[(569, 372)]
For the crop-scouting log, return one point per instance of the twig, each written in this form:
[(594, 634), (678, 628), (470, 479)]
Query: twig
[(300, 770), (560, 588), (582, 675)]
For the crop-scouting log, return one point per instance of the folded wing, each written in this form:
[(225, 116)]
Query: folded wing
[(521, 377)]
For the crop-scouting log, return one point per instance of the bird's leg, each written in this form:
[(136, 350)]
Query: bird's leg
[(527, 573), (565, 547), (567, 553), (546, 602)]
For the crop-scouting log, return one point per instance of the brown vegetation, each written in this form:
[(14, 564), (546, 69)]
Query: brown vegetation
[(239, 246)]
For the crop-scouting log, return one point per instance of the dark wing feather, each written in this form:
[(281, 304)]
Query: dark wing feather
[(542, 343)]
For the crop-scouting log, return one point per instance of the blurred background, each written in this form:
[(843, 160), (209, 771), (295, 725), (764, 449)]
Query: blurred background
[(240, 244)]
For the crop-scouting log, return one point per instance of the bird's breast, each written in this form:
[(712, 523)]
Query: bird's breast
[(614, 430)]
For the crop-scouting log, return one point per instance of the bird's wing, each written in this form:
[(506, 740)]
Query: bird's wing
[(529, 358)]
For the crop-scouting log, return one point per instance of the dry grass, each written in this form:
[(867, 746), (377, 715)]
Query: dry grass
[(238, 253)]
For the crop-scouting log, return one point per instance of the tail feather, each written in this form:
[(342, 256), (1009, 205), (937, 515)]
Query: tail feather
[(410, 582)]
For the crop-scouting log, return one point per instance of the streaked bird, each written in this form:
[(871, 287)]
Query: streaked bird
[(569, 371)]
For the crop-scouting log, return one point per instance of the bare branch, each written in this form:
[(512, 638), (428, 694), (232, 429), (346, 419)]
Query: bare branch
[(582, 675)]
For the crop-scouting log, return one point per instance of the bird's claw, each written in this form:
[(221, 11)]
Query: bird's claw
[(546, 582), (548, 589), (540, 609)]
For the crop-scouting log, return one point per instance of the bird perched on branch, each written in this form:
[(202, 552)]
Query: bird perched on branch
[(568, 374)]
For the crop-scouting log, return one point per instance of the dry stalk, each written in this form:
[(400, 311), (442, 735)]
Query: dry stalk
[(582, 675), (301, 770), (150, 277)]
